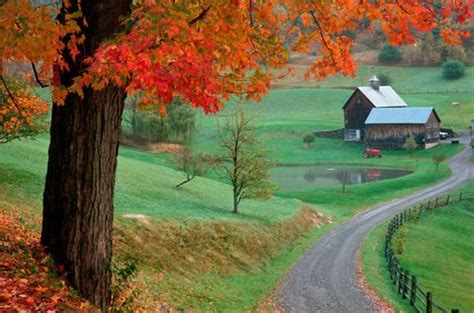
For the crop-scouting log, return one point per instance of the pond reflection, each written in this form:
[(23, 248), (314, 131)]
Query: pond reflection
[(292, 178)]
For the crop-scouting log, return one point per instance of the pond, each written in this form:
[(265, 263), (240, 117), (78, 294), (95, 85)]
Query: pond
[(300, 177)]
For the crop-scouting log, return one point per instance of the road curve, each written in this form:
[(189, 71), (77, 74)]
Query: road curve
[(324, 279)]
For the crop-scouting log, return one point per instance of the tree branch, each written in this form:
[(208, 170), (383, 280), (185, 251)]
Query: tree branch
[(37, 77), (9, 93), (200, 16), (318, 25)]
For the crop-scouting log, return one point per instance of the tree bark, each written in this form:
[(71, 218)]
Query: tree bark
[(79, 189), (236, 201)]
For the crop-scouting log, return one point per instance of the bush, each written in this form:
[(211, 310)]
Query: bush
[(410, 144), (453, 69), (308, 140), (385, 79), (439, 158), (390, 54)]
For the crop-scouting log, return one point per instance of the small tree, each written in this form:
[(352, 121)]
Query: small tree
[(453, 69), (390, 55), (190, 164), (410, 145), (385, 79), (439, 158), (308, 140), (343, 177), (248, 169)]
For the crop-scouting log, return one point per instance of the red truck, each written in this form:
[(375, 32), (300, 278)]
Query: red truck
[(372, 153)]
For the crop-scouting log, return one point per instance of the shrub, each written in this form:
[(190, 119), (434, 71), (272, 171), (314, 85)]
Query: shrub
[(439, 158), (453, 69), (399, 240), (308, 140), (410, 144), (390, 54), (384, 79)]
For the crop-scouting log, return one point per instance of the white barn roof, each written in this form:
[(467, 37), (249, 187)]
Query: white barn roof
[(383, 97)]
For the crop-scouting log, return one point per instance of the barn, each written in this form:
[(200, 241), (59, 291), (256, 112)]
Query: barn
[(388, 128), (359, 105)]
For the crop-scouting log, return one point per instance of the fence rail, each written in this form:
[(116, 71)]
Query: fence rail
[(407, 284)]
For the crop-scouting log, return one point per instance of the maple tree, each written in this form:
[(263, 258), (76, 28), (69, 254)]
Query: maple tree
[(92, 53)]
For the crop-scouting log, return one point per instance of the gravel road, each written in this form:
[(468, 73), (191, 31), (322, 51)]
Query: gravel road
[(325, 280)]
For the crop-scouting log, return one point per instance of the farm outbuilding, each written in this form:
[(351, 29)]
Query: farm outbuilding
[(378, 116), (362, 101), (388, 128)]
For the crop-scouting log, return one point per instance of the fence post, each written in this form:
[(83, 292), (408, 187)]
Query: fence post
[(405, 285), (413, 291), (401, 279), (429, 205), (436, 205), (447, 200), (429, 302), (460, 196)]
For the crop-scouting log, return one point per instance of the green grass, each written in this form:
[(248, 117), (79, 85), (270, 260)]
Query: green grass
[(145, 181), (357, 198), (375, 270), (439, 251), (285, 116), (245, 291), (405, 80), (143, 187)]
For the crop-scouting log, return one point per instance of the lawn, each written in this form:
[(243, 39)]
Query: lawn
[(143, 187), (439, 251), (405, 79), (285, 116)]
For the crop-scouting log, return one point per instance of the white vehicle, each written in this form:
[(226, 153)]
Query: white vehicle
[(443, 135)]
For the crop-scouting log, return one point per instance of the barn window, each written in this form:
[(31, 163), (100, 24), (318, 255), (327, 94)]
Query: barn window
[(428, 125), (435, 125)]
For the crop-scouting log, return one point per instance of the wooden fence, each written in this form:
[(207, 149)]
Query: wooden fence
[(408, 287)]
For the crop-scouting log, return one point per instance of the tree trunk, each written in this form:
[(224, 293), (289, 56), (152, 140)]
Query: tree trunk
[(78, 195), (236, 202)]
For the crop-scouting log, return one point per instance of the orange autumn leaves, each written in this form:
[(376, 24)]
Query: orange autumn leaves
[(28, 278), (206, 51), (19, 110)]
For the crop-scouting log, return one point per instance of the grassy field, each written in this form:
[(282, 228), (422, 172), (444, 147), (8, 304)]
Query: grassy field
[(142, 187), (405, 79), (284, 116), (145, 188), (439, 251)]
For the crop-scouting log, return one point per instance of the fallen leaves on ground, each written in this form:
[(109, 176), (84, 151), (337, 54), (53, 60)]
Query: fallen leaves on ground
[(29, 279)]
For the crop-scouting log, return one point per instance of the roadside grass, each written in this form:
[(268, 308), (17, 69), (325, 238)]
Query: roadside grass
[(216, 266), (405, 79), (439, 251), (375, 269)]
